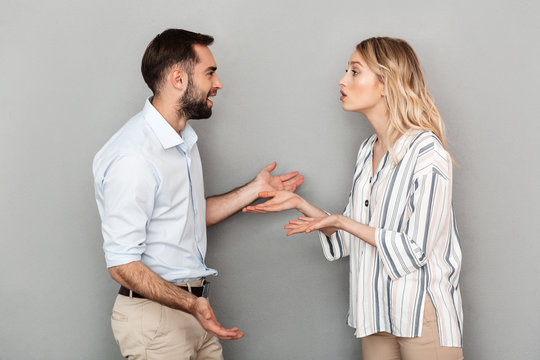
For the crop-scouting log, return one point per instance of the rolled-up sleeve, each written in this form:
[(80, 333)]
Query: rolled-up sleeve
[(429, 221), (336, 246), (127, 195)]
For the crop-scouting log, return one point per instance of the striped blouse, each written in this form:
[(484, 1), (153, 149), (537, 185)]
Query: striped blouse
[(418, 249)]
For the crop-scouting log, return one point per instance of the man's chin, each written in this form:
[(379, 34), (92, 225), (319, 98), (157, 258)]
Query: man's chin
[(202, 116)]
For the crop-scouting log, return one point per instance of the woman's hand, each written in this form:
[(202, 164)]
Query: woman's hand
[(328, 224), (280, 200)]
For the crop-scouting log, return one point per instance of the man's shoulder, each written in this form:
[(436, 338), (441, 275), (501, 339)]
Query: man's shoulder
[(130, 140)]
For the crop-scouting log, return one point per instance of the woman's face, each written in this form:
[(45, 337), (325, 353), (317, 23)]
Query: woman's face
[(361, 89)]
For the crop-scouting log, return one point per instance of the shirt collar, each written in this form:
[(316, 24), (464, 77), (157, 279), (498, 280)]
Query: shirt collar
[(167, 136)]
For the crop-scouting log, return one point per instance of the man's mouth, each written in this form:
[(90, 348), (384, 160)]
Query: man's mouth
[(211, 95)]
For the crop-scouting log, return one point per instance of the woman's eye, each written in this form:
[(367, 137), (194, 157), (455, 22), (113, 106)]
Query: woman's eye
[(354, 72)]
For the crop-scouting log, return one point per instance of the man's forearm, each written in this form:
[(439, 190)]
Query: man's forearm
[(220, 207), (139, 278)]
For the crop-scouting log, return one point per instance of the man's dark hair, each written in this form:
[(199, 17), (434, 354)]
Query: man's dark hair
[(171, 47)]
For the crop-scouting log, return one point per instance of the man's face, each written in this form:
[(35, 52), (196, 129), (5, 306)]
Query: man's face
[(202, 84)]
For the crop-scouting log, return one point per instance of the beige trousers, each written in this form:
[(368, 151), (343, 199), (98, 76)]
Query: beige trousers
[(146, 330), (384, 346)]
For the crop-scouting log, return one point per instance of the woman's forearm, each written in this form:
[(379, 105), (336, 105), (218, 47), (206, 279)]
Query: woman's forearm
[(361, 231), (308, 209)]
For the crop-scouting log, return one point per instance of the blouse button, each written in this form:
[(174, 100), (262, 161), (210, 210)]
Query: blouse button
[(366, 203)]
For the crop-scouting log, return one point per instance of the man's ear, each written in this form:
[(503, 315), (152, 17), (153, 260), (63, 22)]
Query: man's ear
[(178, 78)]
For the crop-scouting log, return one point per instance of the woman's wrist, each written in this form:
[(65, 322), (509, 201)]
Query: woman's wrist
[(341, 221), (309, 209), (301, 204)]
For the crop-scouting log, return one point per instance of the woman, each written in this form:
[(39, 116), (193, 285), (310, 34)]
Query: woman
[(398, 227)]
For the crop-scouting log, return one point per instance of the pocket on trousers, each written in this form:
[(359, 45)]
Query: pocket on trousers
[(118, 316), (152, 320)]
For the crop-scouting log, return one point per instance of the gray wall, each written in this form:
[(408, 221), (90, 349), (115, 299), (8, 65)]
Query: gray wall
[(70, 77)]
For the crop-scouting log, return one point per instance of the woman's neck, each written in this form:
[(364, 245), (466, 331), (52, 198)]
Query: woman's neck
[(379, 122)]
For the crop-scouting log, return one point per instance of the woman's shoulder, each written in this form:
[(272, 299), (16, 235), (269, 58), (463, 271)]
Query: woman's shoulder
[(423, 137), (425, 142), (429, 154), (369, 141), (367, 144)]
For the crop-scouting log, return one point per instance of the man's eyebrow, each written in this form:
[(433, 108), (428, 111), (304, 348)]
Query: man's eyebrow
[(212, 68)]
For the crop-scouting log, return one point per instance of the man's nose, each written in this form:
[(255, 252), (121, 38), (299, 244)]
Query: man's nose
[(217, 83)]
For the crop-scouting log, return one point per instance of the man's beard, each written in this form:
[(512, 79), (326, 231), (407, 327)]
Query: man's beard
[(193, 103)]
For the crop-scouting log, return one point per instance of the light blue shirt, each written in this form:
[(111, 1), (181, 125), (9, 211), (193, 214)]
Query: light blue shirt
[(150, 196)]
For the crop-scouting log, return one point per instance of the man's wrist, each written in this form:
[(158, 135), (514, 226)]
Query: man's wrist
[(192, 304), (251, 189)]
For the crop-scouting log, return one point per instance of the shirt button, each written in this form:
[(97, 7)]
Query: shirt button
[(366, 203), (370, 180)]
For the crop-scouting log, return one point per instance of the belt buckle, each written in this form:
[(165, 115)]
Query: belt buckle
[(205, 289)]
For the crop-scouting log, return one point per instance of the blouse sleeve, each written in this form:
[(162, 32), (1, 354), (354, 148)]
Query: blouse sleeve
[(336, 246), (429, 222)]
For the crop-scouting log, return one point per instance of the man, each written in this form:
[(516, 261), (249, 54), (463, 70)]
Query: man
[(150, 196)]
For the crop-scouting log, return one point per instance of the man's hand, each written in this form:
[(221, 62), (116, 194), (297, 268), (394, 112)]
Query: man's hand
[(268, 182), (205, 315), (139, 278), (220, 207)]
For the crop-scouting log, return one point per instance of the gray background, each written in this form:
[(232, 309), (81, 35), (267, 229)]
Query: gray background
[(70, 78)]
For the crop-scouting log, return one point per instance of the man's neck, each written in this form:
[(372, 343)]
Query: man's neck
[(169, 110)]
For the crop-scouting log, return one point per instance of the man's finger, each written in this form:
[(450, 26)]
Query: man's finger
[(288, 176), (270, 167), (296, 181), (236, 336), (267, 194), (222, 333)]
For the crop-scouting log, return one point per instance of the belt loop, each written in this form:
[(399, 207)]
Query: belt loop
[(131, 294), (189, 286)]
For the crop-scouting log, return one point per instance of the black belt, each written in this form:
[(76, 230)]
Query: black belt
[(195, 290)]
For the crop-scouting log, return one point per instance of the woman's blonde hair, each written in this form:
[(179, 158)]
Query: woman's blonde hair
[(409, 103)]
